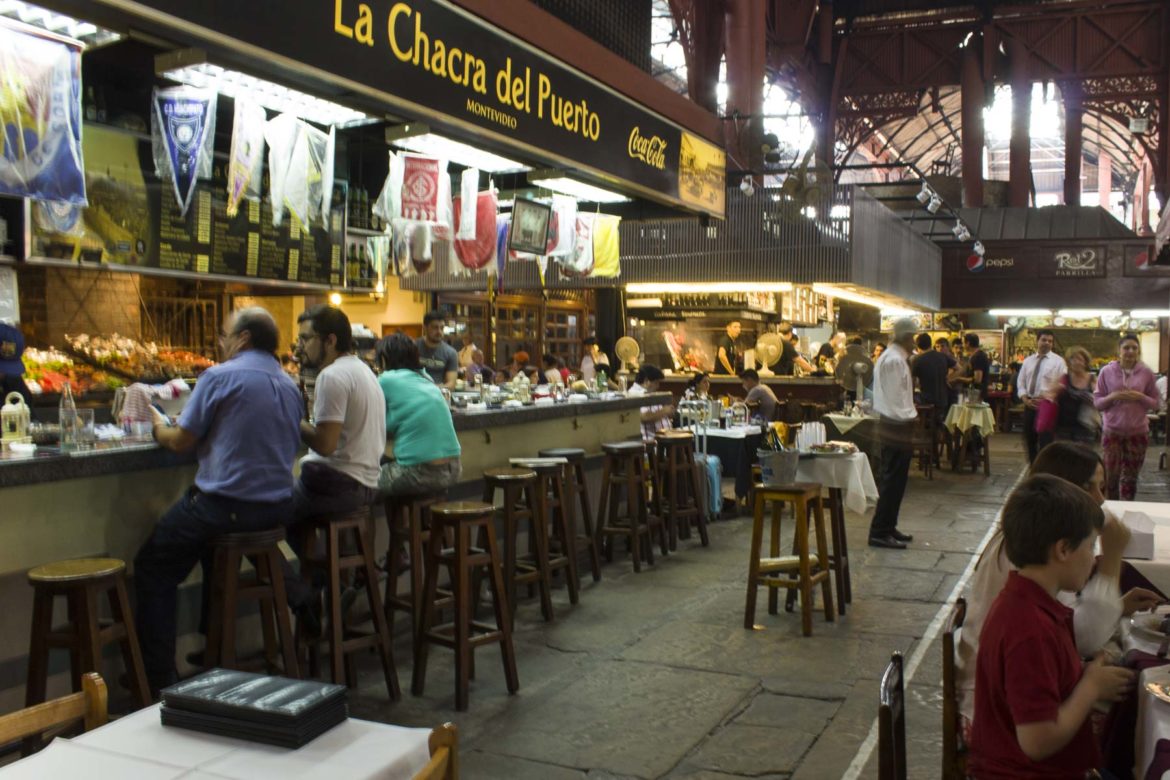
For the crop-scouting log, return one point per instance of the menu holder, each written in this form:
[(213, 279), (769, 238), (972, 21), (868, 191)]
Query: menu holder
[(272, 710)]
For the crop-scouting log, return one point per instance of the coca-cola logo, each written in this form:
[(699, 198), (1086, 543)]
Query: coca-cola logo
[(649, 149)]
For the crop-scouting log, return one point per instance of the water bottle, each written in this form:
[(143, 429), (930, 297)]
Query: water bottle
[(67, 418), (602, 384)]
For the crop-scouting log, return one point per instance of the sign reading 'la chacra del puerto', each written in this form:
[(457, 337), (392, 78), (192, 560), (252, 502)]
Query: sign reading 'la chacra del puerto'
[(434, 61)]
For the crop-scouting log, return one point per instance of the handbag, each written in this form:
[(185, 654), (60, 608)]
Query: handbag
[(1046, 413)]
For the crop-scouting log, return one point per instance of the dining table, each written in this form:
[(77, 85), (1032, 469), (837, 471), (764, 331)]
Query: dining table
[(140, 747), (1157, 568)]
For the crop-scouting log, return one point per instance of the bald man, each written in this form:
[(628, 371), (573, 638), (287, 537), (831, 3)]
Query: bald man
[(244, 423)]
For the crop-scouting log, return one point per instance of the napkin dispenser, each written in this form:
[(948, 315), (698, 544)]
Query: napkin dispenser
[(1141, 540)]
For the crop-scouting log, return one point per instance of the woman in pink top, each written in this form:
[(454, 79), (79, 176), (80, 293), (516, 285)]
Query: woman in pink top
[(1126, 392)]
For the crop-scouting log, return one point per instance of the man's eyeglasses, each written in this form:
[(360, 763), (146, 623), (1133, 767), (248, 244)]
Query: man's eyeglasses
[(304, 338)]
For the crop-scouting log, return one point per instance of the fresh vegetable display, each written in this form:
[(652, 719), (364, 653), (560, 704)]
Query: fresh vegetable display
[(47, 371), (139, 360)]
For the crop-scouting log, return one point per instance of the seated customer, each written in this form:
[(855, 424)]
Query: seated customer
[(1033, 694), (654, 418), (699, 385), (759, 394), (552, 374), (243, 420), (426, 449)]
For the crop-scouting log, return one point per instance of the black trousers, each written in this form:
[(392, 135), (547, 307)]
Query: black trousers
[(897, 454)]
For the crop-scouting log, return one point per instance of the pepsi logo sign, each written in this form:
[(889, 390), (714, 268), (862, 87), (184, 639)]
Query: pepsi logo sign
[(1142, 261), (974, 263)]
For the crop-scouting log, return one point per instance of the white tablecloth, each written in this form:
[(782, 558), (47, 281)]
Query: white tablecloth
[(962, 418), (846, 422), (1157, 570), (139, 746), (852, 475), (1153, 719)]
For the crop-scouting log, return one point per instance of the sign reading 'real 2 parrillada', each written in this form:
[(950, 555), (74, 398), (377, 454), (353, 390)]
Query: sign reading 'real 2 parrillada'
[(432, 60)]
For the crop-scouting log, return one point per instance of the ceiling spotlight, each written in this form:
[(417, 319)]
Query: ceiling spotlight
[(961, 232), (934, 205), (746, 187), (978, 248), (924, 194)]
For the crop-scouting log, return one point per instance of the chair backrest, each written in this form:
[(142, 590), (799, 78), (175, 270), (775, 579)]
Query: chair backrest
[(892, 723), (444, 763), (89, 706), (954, 752)]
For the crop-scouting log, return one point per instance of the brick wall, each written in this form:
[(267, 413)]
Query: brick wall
[(56, 301)]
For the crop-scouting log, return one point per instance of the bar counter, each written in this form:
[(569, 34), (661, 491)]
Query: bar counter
[(104, 502), (816, 389)]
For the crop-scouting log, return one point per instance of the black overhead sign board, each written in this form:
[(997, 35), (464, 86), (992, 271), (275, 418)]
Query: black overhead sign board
[(431, 59)]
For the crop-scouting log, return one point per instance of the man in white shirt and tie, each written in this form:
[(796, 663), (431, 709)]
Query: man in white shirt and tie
[(1040, 372), (893, 400)]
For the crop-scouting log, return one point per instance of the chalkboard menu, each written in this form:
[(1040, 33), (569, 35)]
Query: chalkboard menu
[(134, 220)]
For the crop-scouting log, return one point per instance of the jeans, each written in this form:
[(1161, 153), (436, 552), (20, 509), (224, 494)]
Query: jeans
[(321, 490), (399, 480), (896, 456), (182, 538)]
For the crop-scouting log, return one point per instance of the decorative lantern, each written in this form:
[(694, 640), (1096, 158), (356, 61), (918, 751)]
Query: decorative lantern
[(15, 418)]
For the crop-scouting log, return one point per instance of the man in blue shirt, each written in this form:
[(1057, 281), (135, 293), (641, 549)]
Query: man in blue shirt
[(243, 421)]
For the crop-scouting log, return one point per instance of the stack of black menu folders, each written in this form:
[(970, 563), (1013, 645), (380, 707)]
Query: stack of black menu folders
[(272, 710)]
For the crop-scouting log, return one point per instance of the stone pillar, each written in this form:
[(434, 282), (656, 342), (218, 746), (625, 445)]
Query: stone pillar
[(746, 52), (1104, 179), (972, 113), (1073, 146), (1020, 166)]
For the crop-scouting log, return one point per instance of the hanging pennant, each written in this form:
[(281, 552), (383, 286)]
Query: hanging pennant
[(300, 168), (40, 112), (246, 164), (582, 258), (480, 251), (182, 134), (565, 218), (466, 222), (420, 188), (605, 247)]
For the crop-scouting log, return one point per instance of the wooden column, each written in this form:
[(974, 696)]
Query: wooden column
[(1073, 144), (972, 114), (1020, 166), (746, 50)]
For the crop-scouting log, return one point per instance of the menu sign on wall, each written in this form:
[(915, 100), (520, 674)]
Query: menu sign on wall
[(429, 58), (133, 220)]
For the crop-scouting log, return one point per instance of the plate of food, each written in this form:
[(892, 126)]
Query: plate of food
[(1160, 689), (1152, 625), (833, 449)]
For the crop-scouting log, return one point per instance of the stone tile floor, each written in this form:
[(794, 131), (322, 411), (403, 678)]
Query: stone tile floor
[(653, 675)]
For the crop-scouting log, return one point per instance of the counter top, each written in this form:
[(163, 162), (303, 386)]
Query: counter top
[(474, 421), (50, 465)]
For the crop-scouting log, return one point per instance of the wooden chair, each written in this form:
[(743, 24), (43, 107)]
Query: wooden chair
[(444, 763), (892, 722), (954, 753), (88, 706), (925, 440)]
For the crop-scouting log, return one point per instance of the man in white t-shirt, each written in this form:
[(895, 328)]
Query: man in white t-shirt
[(347, 434)]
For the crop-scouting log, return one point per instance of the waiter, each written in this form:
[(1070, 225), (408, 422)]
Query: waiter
[(1039, 373), (728, 355), (893, 399)]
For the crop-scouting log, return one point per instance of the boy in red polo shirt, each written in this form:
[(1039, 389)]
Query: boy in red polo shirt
[(1033, 693)]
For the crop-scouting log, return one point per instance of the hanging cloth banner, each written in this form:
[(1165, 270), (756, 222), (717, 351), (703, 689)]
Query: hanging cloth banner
[(480, 250), (246, 166), (605, 247), (465, 222), (40, 113), (300, 167), (182, 134)]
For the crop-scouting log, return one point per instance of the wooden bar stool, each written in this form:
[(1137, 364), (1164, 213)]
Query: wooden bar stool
[(355, 530), (266, 587), (521, 505), (676, 492), (555, 509), (839, 557), (766, 571), (623, 477), (578, 490), (408, 519), (465, 633), (82, 581)]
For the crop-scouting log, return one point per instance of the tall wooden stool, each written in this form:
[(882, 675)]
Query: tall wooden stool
[(408, 519), (521, 504), (676, 491), (839, 558), (555, 509), (356, 527), (766, 571), (623, 477), (266, 587), (82, 581), (465, 633), (578, 490)]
